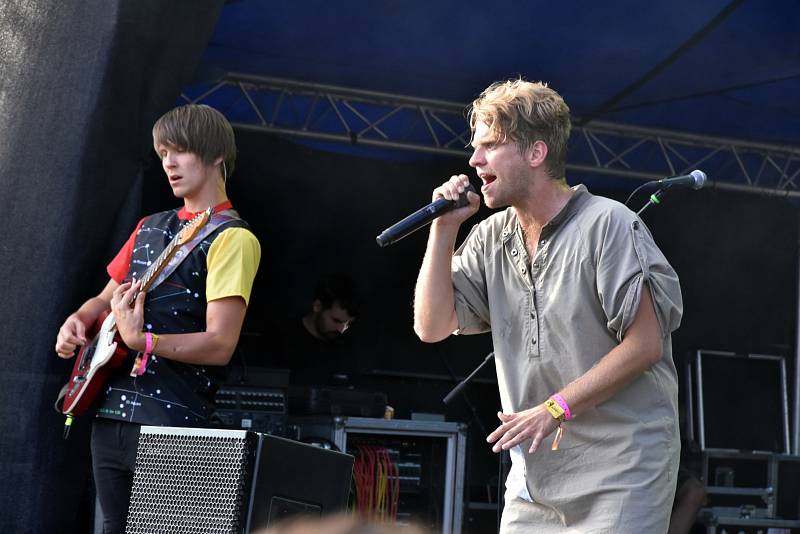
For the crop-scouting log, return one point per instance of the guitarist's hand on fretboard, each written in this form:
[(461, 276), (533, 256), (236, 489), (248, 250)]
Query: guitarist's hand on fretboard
[(127, 305)]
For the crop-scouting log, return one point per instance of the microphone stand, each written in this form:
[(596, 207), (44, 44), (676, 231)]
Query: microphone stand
[(463, 383), (655, 199), (504, 454)]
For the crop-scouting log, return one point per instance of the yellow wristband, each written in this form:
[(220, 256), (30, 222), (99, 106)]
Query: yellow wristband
[(155, 343), (555, 409)]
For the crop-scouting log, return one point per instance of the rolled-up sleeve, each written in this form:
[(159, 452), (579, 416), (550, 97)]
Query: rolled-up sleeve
[(628, 258), (469, 285)]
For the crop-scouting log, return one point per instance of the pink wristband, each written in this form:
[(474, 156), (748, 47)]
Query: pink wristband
[(564, 406), (140, 364), (143, 365), (148, 343), (148, 348)]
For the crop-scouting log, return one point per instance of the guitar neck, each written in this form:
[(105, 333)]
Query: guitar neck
[(158, 265), (184, 235)]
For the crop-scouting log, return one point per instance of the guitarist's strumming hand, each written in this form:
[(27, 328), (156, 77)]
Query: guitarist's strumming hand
[(71, 335), (127, 305)]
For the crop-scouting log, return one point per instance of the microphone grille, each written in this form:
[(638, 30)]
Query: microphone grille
[(699, 178)]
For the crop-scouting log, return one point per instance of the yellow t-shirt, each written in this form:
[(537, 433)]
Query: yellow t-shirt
[(232, 264)]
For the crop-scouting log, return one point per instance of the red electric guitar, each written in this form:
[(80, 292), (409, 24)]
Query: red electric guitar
[(106, 351)]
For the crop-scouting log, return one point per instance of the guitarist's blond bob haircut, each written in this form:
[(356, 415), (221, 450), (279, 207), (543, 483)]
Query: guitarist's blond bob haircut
[(199, 129)]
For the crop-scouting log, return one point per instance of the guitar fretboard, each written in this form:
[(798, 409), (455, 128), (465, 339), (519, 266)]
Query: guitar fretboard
[(184, 234)]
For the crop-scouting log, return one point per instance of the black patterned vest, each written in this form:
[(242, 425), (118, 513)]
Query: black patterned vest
[(168, 393)]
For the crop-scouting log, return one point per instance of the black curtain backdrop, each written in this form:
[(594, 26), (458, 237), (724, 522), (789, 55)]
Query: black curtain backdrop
[(82, 84)]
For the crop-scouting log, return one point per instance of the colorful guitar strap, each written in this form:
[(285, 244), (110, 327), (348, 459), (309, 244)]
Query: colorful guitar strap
[(217, 220)]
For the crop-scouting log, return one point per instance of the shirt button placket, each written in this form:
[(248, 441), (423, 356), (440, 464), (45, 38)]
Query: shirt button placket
[(534, 341), (520, 259), (535, 345)]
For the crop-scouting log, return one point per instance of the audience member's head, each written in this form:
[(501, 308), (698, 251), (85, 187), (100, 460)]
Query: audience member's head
[(339, 524)]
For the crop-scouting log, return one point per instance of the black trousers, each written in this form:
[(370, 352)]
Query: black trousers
[(114, 445)]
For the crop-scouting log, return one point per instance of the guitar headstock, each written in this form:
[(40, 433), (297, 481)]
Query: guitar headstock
[(191, 228)]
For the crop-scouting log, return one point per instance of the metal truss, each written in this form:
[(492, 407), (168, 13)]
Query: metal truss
[(368, 118)]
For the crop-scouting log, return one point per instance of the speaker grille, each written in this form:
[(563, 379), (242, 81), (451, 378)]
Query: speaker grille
[(191, 481)]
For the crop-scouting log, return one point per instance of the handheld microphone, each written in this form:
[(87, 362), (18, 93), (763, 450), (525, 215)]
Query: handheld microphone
[(421, 217), (695, 179)]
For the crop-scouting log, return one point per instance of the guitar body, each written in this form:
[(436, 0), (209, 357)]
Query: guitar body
[(95, 361)]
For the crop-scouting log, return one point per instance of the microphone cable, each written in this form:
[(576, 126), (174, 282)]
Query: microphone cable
[(630, 197)]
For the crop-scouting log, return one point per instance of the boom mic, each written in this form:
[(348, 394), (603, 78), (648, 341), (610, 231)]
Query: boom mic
[(422, 217), (695, 179)]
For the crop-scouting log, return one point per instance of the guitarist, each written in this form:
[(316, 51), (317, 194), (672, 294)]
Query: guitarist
[(192, 319)]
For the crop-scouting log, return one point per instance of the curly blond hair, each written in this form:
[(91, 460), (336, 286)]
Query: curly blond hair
[(525, 112)]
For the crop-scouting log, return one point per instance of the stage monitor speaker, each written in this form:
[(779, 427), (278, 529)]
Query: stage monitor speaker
[(191, 480)]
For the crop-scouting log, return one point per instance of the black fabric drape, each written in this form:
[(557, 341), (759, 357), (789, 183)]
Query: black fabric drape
[(81, 84)]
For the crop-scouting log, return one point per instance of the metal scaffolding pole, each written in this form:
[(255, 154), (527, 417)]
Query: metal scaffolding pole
[(377, 119), (796, 389)]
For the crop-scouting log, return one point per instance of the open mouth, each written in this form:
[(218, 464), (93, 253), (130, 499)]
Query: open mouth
[(487, 180)]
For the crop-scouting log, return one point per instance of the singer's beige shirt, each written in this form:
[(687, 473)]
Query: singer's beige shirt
[(552, 317)]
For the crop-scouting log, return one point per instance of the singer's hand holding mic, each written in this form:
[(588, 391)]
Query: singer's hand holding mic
[(466, 202), (454, 201)]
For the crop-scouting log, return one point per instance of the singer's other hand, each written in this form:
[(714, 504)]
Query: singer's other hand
[(534, 423), (451, 190)]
